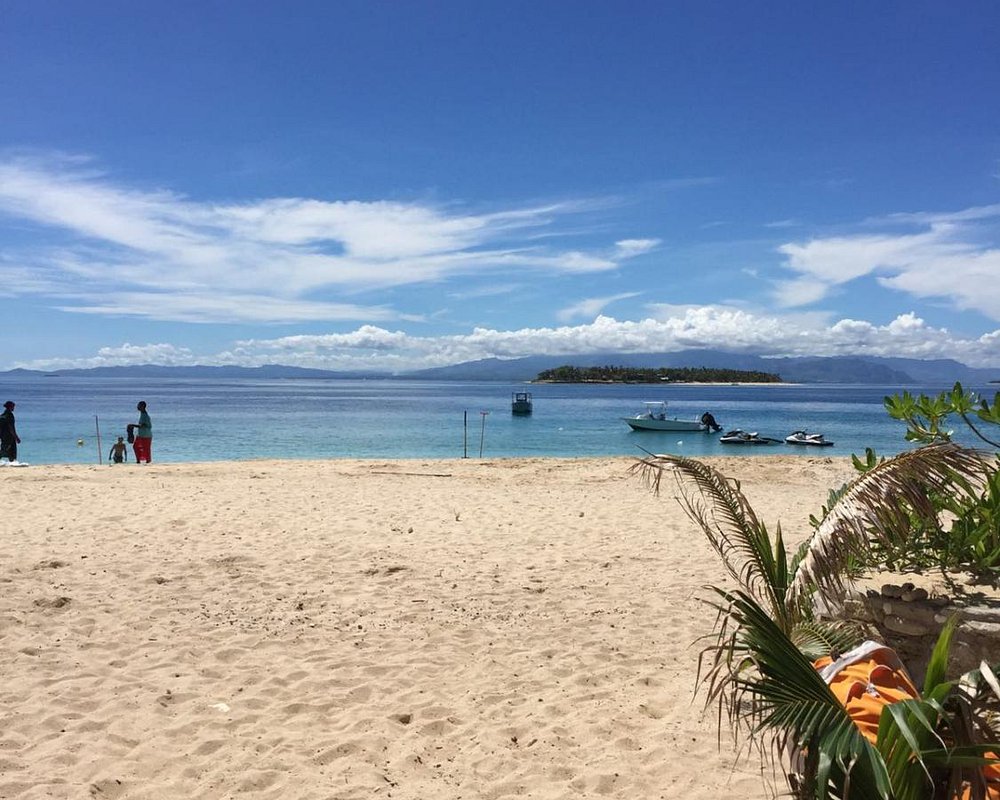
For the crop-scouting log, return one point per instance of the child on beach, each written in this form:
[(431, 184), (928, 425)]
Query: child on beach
[(119, 452)]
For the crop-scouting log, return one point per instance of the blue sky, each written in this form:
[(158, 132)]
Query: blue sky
[(394, 185)]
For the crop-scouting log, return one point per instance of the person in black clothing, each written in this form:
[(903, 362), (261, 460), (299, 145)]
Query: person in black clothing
[(9, 440), (709, 422)]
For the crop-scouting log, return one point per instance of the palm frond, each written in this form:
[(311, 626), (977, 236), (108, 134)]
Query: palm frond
[(883, 504), (792, 703), (731, 526), (906, 730), (937, 667), (816, 639)]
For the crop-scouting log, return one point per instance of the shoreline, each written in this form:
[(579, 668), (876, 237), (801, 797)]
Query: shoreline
[(664, 384), (736, 454), (430, 627)]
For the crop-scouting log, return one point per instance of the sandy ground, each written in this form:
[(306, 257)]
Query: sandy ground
[(359, 629)]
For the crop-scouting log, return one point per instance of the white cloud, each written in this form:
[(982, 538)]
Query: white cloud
[(587, 309), (973, 214), (799, 292), (119, 249), (490, 290), (181, 307), (628, 248), (718, 327), (125, 355), (953, 259), (146, 354)]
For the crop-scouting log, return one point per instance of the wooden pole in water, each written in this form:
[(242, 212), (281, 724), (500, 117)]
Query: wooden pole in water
[(465, 434), (482, 432), (100, 452)]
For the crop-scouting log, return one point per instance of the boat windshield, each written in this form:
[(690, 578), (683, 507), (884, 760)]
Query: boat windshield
[(655, 409)]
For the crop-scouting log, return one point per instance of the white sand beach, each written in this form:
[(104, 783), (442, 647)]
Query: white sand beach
[(358, 629)]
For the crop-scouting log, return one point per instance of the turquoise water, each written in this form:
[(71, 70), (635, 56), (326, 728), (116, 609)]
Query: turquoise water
[(208, 420)]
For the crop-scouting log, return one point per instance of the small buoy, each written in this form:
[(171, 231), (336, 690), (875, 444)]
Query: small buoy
[(79, 442)]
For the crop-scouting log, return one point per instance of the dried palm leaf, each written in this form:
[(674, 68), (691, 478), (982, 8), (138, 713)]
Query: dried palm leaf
[(883, 504)]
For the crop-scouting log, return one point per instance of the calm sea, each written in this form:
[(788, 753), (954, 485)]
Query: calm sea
[(209, 420)]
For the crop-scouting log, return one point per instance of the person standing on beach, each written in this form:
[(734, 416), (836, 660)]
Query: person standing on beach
[(9, 440), (143, 445)]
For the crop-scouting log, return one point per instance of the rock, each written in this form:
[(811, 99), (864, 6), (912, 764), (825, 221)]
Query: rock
[(918, 613), (985, 629), (907, 627), (891, 590), (914, 594), (981, 613)]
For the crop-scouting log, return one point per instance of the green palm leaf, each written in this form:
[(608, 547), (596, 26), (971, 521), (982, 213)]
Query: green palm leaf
[(792, 703), (732, 528)]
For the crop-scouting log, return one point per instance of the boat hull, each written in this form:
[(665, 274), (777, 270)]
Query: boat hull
[(641, 424)]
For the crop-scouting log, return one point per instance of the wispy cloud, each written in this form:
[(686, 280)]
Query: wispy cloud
[(102, 248), (629, 248), (673, 328), (694, 182), (591, 307), (953, 257), (490, 290)]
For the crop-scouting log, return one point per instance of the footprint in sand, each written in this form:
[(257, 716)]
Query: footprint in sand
[(52, 602), (109, 787)]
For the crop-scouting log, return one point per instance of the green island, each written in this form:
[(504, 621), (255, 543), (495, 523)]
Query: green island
[(610, 374)]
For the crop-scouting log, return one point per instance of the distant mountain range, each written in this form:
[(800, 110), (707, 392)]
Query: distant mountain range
[(840, 369)]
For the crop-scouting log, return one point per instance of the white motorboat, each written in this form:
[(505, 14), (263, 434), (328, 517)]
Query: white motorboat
[(809, 439), (654, 418), (744, 437)]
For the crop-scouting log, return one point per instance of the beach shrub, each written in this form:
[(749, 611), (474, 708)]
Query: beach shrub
[(759, 665), (936, 746), (964, 534), (927, 418)]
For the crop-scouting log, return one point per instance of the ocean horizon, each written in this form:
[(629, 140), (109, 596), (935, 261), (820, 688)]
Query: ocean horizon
[(216, 420)]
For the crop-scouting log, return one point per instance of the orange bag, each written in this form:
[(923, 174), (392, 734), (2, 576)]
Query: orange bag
[(870, 677), (865, 680)]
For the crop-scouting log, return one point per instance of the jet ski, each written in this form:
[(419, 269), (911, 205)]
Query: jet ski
[(743, 437), (810, 439)]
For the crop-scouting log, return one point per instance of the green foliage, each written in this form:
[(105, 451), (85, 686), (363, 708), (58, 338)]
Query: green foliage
[(927, 418), (884, 517), (972, 539), (760, 666), (926, 748), (975, 531), (610, 374)]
